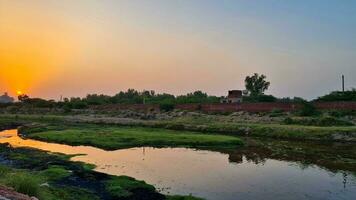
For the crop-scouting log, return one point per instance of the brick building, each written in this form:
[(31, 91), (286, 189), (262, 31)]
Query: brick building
[(234, 96)]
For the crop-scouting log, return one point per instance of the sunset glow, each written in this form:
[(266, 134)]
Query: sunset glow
[(72, 48)]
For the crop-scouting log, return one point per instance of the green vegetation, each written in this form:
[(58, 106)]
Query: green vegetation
[(177, 197), (307, 109), (31, 173), (256, 84), (270, 130), (306, 128), (113, 137), (24, 183), (131, 96), (339, 96), (324, 121), (55, 172), (123, 186), (52, 177)]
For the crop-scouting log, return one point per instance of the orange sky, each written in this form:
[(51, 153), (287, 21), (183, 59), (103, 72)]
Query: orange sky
[(51, 48)]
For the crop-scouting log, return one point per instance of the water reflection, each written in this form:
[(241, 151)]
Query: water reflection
[(254, 172)]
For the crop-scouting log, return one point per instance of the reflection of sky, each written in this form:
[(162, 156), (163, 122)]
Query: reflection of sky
[(207, 174)]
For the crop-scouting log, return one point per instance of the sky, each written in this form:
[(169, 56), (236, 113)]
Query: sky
[(50, 48)]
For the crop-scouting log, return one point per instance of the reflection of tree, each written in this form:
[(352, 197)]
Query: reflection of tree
[(331, 156)]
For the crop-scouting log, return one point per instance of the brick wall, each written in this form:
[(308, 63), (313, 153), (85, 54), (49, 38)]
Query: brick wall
[(117, 107), (248, 107), (264, 107)]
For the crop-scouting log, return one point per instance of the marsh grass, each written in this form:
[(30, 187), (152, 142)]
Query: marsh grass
[(24, 183), (114, 137), (120, 187), (177, 197)]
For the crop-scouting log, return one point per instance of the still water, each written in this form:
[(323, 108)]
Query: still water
[(208, 174)]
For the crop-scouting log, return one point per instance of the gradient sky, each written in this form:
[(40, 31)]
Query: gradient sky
[(50, 48)]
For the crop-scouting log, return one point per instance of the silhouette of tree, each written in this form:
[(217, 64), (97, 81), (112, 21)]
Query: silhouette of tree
[(23, 98), (256, 84)]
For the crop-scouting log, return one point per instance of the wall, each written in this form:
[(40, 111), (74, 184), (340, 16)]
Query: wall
[(249, 107), (117, 107), (218, 107)]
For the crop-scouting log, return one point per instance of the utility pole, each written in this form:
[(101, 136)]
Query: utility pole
[(343, 83)]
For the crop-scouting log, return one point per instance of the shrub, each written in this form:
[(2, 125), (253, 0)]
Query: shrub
[(4, 170), (25, 184), (288, 121), (166, 106), (323, 121), (276, 113), (331, 121), (259, 98), (339, 96), (342, 113), (55, 173), (307, 109), (123, 186)]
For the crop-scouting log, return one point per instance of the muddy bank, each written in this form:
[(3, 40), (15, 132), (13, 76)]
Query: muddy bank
[(70, 180), (7, 193)]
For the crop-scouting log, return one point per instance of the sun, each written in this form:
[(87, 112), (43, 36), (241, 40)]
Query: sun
[(19, 92)]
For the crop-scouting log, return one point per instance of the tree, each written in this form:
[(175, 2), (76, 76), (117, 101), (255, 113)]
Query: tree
[(23, 98), (256, 84)]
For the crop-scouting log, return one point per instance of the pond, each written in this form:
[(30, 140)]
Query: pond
[(218, 174)]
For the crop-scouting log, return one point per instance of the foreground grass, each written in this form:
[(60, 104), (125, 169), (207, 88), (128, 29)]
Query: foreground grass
[(113, 137)]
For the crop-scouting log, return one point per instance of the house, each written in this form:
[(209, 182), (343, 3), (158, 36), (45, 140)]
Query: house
[(5, 98), (234, 96)]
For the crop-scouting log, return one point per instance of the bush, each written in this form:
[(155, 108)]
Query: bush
[(79, 105), (339, 96), (342, 113), (288, 121), (123, 187), (259, 98), (166, 106), (307, 109), (4, 170), (331, 121), (25, 184), (323, 121), (276, 113)]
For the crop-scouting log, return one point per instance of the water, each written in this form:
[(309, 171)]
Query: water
[(209, 174)]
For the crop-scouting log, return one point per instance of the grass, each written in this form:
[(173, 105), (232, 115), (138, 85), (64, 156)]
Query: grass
[(55, 172), (25, 183), (113, 137), (121, 187), (29, 182), (203, 124), (177, 197), (271, 130)]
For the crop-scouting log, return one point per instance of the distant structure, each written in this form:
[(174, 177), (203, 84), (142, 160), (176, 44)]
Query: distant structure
[(234, 96), (5, 98)]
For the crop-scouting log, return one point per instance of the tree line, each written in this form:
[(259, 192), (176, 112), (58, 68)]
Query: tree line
[(255, 85)]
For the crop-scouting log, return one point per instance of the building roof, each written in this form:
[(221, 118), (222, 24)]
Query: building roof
[(235, 94)]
